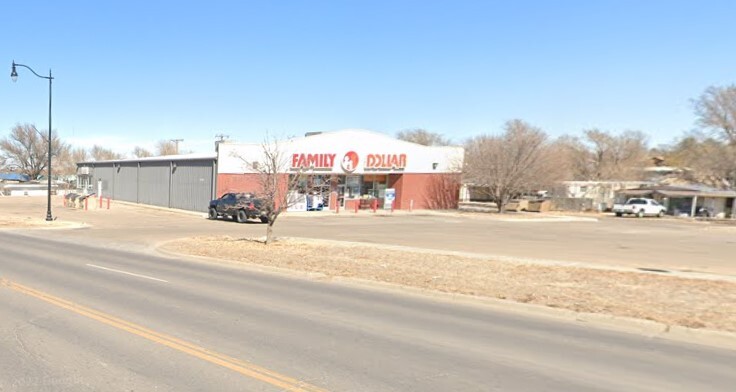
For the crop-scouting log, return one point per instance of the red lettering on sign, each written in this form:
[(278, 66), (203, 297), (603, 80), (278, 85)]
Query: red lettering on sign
[(314, 161), (385, 161), (327, 161)]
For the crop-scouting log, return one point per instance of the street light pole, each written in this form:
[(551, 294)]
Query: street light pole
[(14, 77)]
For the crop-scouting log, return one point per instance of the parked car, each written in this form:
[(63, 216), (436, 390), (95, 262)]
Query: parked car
[(640, 207), (238, 206)]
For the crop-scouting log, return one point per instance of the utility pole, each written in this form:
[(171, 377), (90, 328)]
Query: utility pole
[(221, 138), (176, 142)]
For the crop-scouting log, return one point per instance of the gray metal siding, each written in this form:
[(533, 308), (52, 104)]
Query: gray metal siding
[(105, 173), (126, 182), (187, 184), (153, 180), (191, 185)]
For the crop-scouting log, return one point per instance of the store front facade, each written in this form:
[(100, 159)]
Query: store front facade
[(351, 169)]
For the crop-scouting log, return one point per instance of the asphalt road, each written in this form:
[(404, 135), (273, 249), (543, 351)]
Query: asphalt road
[(78, 317)]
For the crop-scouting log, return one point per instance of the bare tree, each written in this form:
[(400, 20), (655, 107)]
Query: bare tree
[(140, 152), (68, 158), (422, 136), (100, 153), (166, 147), (277, 186), (600, 155), (510, 164), (27, 148), (711, 161), (64, 163), (716, 110)]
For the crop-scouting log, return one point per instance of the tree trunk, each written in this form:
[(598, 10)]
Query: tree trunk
[(501, 202), (269, 232)]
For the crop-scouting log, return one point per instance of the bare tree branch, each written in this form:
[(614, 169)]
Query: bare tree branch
[(277, 187), (602, 156), (716, 110), (510, 164), (422, 136), (100, 153), (26, 147), (140, 152), (166, 147), (712, 161)]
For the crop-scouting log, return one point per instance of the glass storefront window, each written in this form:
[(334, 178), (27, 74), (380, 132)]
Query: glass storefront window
[(344, 186), (352, 187), (374, 185)]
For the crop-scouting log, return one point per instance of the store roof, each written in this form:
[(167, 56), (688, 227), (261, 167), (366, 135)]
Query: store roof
[(180, 157)]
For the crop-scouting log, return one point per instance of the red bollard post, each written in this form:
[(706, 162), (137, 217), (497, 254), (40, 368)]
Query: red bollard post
[(100, 200), (374, 205), (86, 201), (108, 203), (357, 203)]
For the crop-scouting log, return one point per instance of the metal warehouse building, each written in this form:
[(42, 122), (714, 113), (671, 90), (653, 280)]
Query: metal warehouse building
[(176, 181)]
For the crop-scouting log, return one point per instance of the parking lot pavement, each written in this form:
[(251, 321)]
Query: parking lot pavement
[(660, 244)]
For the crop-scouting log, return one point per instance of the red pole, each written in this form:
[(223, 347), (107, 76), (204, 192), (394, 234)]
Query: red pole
[(108, 203), (100, 200), (86, 200), (374, 204), (357, 203)]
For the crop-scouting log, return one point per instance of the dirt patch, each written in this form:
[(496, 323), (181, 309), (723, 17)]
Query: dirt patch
[(670, 300), (30, 223)]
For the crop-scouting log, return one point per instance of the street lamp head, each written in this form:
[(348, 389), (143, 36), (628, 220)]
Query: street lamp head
[(13, 74)]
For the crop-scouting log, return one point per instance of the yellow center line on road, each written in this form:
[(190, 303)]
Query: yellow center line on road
[(243, 367)]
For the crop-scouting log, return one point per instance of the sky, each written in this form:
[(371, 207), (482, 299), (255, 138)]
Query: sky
[(130, 73)]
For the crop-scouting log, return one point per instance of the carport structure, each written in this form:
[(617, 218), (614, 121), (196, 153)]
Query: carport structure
[(174, 181), (687, 199)]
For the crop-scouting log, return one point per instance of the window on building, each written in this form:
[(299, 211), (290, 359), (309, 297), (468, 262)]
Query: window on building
[(374, 185)]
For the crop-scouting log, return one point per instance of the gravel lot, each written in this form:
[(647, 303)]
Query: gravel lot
[(694, 303)]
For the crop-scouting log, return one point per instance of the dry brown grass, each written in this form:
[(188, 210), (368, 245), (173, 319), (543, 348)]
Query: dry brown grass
[(670, 300)]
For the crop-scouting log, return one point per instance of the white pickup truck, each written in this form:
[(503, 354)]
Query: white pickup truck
[(640, 207)]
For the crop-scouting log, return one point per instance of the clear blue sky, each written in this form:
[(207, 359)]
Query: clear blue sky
[(130, 73)]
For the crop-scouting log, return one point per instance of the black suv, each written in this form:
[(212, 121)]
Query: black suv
[(238, 206)]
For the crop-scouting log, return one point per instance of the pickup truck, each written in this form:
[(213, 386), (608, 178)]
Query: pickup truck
[(640, 207), (238, 206)]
